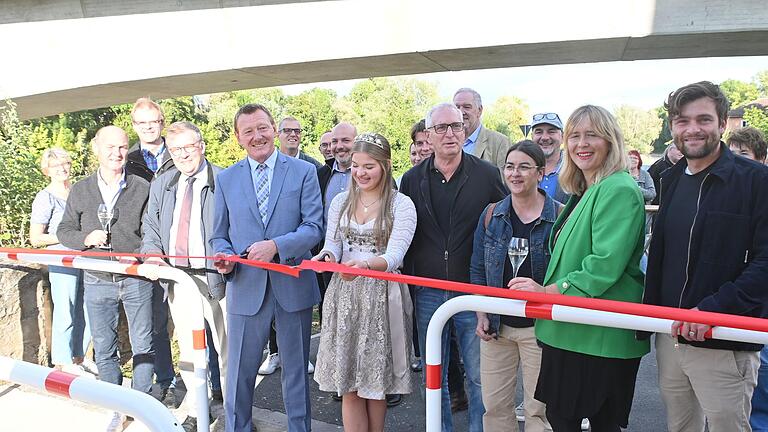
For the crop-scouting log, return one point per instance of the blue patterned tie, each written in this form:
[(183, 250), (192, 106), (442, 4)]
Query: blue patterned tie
[(262, 190)]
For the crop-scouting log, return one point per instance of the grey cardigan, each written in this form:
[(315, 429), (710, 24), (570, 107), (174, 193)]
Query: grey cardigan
[(80, 217)]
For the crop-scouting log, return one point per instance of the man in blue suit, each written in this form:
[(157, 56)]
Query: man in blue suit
[(269, 206)]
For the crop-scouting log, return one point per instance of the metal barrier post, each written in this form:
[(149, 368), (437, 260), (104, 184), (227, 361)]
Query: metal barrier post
[(183, 281), (522, 308)]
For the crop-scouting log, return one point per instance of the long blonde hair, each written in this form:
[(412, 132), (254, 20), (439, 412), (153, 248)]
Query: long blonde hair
[(604, 124), (377, 147)]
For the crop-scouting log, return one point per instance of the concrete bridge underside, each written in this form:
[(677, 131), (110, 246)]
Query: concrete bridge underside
[(101, 56)]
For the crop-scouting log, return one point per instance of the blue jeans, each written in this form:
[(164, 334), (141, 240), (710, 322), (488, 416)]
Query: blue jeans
[(102, 298), (70, 333), (426, 301), (759, 418), (164, 373)]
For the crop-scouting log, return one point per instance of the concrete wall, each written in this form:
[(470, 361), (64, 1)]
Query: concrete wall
[(68, 65)]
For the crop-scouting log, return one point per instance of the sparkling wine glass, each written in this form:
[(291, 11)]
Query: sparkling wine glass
[(517, 251), (106, 216)]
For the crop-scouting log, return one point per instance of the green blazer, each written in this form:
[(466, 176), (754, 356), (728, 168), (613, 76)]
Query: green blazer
[(597, 255)]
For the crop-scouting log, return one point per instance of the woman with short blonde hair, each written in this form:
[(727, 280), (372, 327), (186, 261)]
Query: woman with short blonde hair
[(70, 332)]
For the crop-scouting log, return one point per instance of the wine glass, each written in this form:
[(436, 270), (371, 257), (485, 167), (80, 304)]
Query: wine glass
[(517, 251), (106, 215)]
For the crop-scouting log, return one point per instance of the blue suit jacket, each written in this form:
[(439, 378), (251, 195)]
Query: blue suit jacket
[(294, 221)]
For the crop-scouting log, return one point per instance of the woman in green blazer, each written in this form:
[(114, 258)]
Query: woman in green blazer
[(590, 371)]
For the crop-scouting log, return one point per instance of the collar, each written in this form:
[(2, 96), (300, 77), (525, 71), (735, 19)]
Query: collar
[(101, 180), (430, 163), (200, 174), (559, 165), (270, 162), (548, 212), (722, 167), (473, 138), (162, 149), (335, 167)]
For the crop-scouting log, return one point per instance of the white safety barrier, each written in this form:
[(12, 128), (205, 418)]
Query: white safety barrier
[(108, 395), (540, 311)]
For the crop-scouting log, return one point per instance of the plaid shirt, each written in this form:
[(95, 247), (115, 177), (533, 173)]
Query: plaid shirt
[(152, 160)]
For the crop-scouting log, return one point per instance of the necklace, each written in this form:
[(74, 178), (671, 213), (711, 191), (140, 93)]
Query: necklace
[(366, 207)]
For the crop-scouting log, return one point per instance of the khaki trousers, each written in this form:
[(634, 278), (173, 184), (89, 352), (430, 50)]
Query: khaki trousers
[(187, 305), (499, 361), (702, 383)]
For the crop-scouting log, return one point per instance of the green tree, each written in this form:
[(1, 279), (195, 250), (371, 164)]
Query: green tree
[(640, 128), (739, 92), (660, 143), (757, 118), (315, 111), (505, 116), (20, 177), (762, 82), (389, 107)]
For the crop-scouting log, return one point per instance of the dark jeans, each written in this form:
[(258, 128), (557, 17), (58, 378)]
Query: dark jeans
[(102, 299), (213, 359), (164, 373)]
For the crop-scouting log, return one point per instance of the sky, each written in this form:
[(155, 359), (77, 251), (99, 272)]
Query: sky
[(562, 88)]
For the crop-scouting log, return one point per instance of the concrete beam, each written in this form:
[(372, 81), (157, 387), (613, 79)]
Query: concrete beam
[(69, 65)]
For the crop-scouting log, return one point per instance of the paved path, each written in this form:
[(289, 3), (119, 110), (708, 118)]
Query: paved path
[(25, 409)]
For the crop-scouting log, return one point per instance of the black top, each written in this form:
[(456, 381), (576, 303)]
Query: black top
[(677, 235), (521, 230), (443, 194), (437, 254)]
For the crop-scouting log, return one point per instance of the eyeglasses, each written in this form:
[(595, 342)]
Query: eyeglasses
[(545, 116), (177, 151), (522, 168), (443, 128), (288, 131), (148, 123)]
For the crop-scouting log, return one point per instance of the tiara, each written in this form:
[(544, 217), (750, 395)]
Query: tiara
[(371, 138)]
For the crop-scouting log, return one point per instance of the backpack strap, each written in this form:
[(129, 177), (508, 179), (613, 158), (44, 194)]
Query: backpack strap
[(489, 214)]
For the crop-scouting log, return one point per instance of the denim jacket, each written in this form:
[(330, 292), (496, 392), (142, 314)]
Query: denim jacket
[(489, 251)]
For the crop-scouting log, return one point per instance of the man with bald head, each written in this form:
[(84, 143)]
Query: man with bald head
[(126, 196)]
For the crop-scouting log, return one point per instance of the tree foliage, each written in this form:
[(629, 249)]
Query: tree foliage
[(739, 92), (640, 127), (665, 135), (505, 116), (20, 177), (757, 118)]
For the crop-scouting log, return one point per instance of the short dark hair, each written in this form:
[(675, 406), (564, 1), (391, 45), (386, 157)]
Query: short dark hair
[(419, 126), (250, 109), (750, 138), (531, 149), (691, 92)]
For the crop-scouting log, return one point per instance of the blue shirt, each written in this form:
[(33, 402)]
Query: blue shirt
[(469, 144), (549, 181), (338, 183), (270, 162)]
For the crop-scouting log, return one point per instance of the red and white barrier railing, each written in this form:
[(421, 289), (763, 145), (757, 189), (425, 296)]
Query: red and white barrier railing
[(555, 312), (141, 406), (95, 392)]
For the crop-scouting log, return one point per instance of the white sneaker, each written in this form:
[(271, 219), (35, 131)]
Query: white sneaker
[(584, 424), (520, 413), (270, 364), (116, 422), (310, 367)]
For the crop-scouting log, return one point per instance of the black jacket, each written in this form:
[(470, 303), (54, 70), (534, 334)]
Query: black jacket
[(728, 249), (136, 165), (432, 254), (655, 171)]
